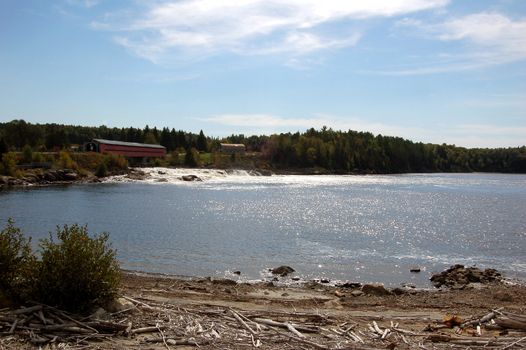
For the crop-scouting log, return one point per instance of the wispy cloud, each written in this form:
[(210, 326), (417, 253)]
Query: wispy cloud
[(83, 3), (200, 28), (466, 135), (269, 123), (488, 39)]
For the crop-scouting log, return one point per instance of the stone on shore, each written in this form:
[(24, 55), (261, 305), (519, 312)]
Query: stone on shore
[(458, 277), (282, 270), (375, 289)]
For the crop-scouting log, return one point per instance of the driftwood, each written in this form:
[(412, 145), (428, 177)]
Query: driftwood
[(508, 322), (223, 327), (285, 325)]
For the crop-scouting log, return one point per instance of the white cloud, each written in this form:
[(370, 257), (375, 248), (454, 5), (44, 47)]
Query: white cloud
[(269, 123), (204, 27), (84, 3), (488, 39), (466, 135)]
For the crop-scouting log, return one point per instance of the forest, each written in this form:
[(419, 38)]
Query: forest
[(333, 151)]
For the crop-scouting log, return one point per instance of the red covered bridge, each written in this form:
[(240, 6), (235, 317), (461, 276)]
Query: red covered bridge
[(126, 149)]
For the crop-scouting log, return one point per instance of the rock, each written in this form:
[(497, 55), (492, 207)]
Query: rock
[(50, 176), (68, 175), (475, 285), (118, 305), (162, 180), (30, 178), (375, 289), (282, 270), (160, 172), (285, 294), (295, 278), (399, 291), (100, 314), (415, 269), (137, 175), (458, 277), (338, 294), (350, 285), (325, 280), (237, 273), (191, 178), (357, 293)]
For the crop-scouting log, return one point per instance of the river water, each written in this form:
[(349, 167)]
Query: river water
[(369, 228)]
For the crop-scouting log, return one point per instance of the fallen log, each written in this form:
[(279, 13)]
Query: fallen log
[(507, 322), (284, 325)]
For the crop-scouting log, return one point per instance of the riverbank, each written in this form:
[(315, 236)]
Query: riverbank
[(164, 312)]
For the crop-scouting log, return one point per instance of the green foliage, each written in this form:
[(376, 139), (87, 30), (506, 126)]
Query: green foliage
[(27, 154), (175, 159), (191, 158), (150, 138), (16, 262), (65, 161), (201, 142), (8, 166), (115, 162), (37, 157), (102, 170), (336, 151), (3, 146), (77, 272)]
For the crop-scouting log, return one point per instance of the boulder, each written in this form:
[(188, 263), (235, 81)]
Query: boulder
[(50, 176), (357, 293), (119, 305), (191, 178), (282, 270), (375, 289), (458, 277), (69, 175), (137, 175), (350, 285)]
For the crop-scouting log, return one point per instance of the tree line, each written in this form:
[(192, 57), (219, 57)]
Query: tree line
[(335, 151)]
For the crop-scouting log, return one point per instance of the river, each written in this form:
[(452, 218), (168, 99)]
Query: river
[(370, 228)]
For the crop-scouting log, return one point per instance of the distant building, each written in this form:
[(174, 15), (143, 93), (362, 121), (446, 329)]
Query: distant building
[(136, 152), (232, 148)]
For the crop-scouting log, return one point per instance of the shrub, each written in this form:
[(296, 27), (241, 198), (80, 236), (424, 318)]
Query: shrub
[(77, 272), (27, 154), (16, 262), (191, 158), (65, 161), (116, 162), (9, 164), (102, 170)]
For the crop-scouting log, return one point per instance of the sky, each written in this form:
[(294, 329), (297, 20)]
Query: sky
[(440, 71)]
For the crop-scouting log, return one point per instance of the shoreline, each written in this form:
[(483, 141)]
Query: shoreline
[(64, 177), (164, 310)]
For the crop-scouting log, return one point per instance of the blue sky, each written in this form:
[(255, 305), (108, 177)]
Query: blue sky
[(427, 70)]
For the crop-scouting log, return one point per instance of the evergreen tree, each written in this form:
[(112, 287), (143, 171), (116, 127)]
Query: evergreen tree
[(201, 142)]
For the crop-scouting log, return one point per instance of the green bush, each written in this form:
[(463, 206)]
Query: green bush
[(102, 170), (66, 162), (191, 158), (77, 272), (27, 154), (8, 166), (115, 162), (16, 262)]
